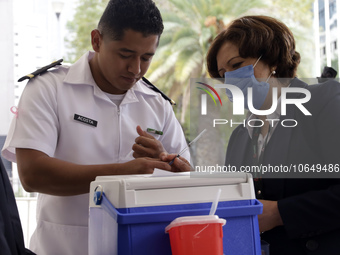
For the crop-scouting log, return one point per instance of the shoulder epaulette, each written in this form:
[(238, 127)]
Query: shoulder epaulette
[(154, 88), (41, 70)]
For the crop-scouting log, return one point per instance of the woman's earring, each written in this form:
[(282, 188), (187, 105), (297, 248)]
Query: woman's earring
[(272, 73)]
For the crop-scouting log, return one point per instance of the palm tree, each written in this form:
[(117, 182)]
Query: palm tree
[(86, 18), (190, 26), (298, 16)]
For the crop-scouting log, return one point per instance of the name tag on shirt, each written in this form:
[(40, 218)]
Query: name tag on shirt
[(85, 120)]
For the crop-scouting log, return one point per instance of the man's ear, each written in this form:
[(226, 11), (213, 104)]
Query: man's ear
[(96, 39)]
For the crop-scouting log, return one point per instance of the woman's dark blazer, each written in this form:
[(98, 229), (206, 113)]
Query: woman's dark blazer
[(11, 236), (309, 207)]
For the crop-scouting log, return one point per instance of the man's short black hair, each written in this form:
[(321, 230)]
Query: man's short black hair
[(139, 15)]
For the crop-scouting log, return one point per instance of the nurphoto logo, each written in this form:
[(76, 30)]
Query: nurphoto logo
[(239, 109), (204, 97), (238, 102)]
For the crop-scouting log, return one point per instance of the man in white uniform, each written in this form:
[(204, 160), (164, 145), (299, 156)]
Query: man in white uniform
[(76, 123)]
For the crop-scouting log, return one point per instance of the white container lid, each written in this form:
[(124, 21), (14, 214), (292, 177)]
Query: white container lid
[(130, 191), (194, 220)]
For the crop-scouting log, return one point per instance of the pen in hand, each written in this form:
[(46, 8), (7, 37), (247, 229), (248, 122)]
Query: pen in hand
[(187, 147)]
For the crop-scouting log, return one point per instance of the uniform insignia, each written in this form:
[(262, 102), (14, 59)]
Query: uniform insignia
[(85, 120), (154, 88), (41, 70)]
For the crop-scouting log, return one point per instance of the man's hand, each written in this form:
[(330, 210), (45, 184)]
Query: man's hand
[(40, 173), (146, 165), (179, 165), (270, 218), (146, 145)]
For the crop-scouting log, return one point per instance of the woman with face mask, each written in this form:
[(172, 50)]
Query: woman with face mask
[(257, 55)]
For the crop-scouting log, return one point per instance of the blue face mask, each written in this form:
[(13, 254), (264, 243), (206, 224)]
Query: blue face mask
[(244, 78)]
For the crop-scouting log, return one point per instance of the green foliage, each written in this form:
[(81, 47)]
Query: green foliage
[(190, 27), (85, 20), (298, 16), (335, 64)]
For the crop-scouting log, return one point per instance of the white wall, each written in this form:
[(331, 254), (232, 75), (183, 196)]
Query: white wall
[(6, 65)]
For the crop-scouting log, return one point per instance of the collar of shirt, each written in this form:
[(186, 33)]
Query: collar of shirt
[(273, 120), (80, 74)]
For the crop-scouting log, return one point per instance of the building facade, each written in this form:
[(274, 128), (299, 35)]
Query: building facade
[(32, 37), (327, 34), (6, 72)]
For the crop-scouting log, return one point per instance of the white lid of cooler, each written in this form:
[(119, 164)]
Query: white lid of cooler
[(126, 191)]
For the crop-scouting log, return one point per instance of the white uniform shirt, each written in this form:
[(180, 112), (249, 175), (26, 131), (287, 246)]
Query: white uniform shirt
[(46, 122)]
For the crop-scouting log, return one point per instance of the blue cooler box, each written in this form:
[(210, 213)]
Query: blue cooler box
[(138, 208)]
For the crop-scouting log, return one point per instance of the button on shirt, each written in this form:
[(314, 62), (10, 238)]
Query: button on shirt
[(103, 133)]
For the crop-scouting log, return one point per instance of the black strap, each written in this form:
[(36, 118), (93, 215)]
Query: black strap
[(258, 157), (154, 88), (41, 70), (254, 142)]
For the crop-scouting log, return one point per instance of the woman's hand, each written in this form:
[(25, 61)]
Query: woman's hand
[(270, 217)]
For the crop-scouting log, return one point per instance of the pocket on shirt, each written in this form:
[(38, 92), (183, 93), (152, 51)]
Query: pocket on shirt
[(55, 239)]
